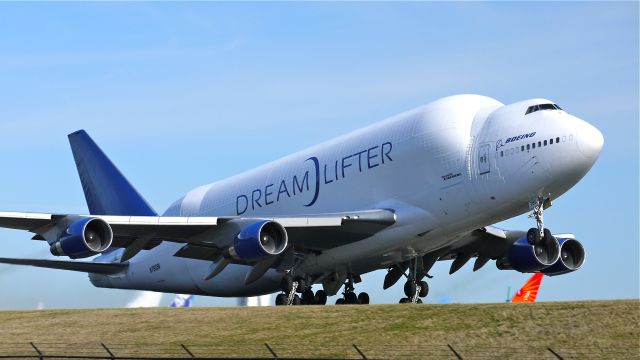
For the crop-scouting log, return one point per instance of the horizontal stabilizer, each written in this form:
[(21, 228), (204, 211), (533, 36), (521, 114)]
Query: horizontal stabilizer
[(89, 267)]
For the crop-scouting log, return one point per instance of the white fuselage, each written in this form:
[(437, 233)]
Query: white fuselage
[(451, 166)]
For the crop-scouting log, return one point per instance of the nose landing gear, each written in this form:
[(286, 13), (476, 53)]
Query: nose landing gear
[(536, 236)]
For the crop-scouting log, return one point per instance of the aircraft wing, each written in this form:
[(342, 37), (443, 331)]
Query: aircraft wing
[(83, 266), (319, 232), (488, 243), (483, 244), (207, 236), (170, 227), (24, 221)]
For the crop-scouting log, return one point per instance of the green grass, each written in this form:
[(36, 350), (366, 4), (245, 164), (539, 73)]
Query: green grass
[(596, 329)]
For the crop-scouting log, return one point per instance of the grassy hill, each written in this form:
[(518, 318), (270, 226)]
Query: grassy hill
[(592, 329)]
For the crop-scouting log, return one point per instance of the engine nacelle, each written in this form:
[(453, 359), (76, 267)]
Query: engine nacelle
[(527, 258), (259, 240), (572, 257), (83, 238)]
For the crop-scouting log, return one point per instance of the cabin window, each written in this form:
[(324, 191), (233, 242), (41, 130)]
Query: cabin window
[(551, 141), (557, 140), (545, 143)]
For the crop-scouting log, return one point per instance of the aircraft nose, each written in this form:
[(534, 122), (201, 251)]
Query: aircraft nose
[(589, 141)]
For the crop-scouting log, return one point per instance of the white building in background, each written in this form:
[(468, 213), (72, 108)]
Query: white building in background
[(264, 300)]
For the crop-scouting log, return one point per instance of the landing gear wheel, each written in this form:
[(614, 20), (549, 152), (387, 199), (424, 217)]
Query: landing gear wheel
[(547, 235), (286, 284), (308, 297), (410, 289), (281, 299), (533, 236), (419, 301), (424, 289), (320, 297), (301, 286), (297, 300), (340, 301), (351, 298), (363, 298), (405, 301)]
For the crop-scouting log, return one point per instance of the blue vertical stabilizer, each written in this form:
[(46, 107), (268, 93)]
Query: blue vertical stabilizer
[(107, 191)]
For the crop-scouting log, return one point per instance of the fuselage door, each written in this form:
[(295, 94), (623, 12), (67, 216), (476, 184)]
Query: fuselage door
[(484, 166)]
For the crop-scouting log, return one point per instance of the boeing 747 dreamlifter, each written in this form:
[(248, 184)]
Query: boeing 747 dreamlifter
[(401, 194)]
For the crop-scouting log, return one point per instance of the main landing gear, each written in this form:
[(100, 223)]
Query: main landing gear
[(415, 288), (291, 287), (538, 235), (349, 296)]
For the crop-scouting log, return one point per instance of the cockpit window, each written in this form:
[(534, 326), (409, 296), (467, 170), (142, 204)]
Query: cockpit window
[(539, 107)]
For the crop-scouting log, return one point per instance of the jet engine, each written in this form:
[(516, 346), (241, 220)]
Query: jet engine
[(527, 258), (572, 257), (259, 240), (83, 238)]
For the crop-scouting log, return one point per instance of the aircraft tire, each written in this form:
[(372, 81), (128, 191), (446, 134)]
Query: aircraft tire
[(363, 298), (281, 299), (419, 301), (404, 300), (424, 289), (297, 300), (351, 298), (410, 288), (308, 297), (340, 301), (320, 297), (547, 234)]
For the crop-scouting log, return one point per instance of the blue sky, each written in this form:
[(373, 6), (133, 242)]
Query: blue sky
[(182, 94)]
